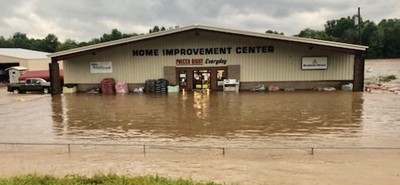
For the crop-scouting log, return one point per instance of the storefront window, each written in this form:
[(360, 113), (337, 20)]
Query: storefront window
[(183, 78), (221, 75)]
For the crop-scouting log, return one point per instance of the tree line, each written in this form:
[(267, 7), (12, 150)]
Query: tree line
[(51, 43), (383, 38)]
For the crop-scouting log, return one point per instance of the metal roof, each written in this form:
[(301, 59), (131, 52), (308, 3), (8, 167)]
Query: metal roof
[(216, 29), (23, 53), (44, 74), (18, 68)]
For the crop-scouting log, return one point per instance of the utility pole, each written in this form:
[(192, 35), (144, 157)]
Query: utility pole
[(359, 26)]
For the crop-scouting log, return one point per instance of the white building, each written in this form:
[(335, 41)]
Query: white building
[(29, 59)]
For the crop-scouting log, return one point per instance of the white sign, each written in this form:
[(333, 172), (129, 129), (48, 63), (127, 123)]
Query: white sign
[(100, 67), (314, 63)]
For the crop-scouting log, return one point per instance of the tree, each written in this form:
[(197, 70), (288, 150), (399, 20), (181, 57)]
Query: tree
[(115, 35), (4, 43), (125, 35), (369, 37), (68, 44), (274, 32), (313, 34), (342, 30), (157, 29), (20, 40), (49, 43), (389, 35)]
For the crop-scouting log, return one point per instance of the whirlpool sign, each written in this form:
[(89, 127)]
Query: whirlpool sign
[(100, 67)]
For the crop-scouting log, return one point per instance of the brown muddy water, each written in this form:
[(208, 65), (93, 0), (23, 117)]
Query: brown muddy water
[(247, 124), (217, 119)]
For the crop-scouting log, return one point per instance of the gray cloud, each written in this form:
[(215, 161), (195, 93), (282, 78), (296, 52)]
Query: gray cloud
[(83, 20)]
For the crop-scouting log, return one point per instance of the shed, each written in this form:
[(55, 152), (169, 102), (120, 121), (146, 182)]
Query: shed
[(15, 72)]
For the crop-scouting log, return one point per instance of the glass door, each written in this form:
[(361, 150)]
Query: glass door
[(183, 79), (201, 79)]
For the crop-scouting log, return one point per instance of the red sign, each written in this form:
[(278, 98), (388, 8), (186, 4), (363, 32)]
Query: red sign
[(189, 61)]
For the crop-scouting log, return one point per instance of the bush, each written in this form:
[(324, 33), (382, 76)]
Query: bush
[(387, 78)]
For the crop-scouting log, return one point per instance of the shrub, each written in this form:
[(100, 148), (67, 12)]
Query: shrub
[(388, 78)]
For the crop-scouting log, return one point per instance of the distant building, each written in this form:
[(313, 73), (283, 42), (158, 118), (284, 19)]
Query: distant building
[(29, 59)]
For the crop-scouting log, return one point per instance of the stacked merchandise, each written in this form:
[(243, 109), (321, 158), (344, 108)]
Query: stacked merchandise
[(108, 86), (150, 86), (173, 89), (121, 87), (162, 86)]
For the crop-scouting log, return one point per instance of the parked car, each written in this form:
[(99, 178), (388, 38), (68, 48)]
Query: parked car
[(30, 84)]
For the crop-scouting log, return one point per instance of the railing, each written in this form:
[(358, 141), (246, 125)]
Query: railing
[(222, 149)]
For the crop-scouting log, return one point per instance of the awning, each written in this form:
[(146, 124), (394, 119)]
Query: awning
[(45, 74)]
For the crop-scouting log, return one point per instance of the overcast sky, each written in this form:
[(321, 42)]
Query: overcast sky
[(83, 20)]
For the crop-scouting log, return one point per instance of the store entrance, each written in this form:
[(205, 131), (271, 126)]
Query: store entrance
[(201, 79)]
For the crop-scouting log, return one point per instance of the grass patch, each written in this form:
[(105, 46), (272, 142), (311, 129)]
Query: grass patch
[(388, 78), (98, 179)]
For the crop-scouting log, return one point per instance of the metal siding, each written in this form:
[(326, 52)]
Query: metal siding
[(284, 64), (41, 64), (6, 59), (212, 29)]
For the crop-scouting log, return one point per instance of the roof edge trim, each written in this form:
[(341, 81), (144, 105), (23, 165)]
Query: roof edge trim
[(211, 28)]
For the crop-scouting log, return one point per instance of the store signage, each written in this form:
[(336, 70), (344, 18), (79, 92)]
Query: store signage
[(189, 61), (200, 61), (216, 62), (204, 51), (314, 63), (100, 67)]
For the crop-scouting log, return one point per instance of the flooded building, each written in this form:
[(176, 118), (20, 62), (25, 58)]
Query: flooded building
[(201, 56)]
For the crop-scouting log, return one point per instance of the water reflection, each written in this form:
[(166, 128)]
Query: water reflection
[(58, 111), (201, 105), (203, 115)]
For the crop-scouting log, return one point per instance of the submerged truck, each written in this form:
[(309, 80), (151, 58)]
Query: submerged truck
[(30, 85)]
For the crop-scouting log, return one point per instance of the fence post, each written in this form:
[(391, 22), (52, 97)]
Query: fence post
[(69, 151), (312, 150), (144, 149), (223, 151)]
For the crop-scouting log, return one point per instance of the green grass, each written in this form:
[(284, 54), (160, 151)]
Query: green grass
[(388, 78), (99, 179)]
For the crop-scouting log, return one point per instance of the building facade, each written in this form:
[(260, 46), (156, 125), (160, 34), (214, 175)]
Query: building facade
[(29, 59), (202, 57)]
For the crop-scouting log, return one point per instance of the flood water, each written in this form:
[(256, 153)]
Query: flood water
[(244, 119)]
